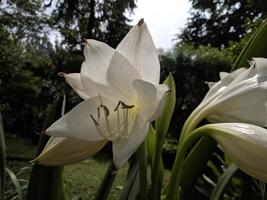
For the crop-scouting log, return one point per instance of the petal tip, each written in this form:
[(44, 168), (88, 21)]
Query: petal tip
[(61, 74), (140, 22)]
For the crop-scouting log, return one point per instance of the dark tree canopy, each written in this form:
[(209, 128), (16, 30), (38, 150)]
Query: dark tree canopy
[(217, 22), (30, 61), (95, 19)]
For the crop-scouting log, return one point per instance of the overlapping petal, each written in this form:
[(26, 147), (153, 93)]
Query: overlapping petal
[(150, 97), (120, 75), (124, 147), (240, 96), (78, 123)]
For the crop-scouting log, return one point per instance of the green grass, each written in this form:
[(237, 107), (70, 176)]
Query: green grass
[(81, 180)]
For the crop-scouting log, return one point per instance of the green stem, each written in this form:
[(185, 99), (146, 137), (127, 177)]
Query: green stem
[(156, 169), (177, 166), (142, 158), (106, 184)]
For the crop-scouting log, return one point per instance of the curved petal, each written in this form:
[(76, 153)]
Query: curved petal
[(78, 123), (123, 148), (245, 144), (74, 80), (138, 47), (94, 69), (97, 57), (150, 98), (241, 96), (120, 75), (62, 151)]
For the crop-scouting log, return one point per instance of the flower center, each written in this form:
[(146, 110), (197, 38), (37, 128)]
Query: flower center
[(119, 126)]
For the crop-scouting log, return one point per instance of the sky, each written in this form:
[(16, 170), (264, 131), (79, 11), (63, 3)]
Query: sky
[(164, 18)]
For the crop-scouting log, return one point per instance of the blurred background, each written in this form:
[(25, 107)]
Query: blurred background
[(196, 39)]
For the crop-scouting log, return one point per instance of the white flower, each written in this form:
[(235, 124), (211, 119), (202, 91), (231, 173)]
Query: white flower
[(121, 93), (245, 144), (240, 96)]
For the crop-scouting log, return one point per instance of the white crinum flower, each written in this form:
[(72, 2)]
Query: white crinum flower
[(121, 93), (245, 144), (240, 96)]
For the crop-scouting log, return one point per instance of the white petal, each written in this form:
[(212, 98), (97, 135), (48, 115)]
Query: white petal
[(97, 58), (74, 80), (77, 123), (245, 144), (138, 47), (62, 151), (123, 148), (226, 79), (150, 98), (261, 66), (120, 75), (94, 69)]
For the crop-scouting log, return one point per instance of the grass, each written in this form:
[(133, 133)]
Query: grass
[(81, 180)]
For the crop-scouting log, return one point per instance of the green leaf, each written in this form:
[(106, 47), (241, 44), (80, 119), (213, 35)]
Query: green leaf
[(161, 126), (2, 159), (46, 182), (195, 163), (16, 183), (223, 181), (163, 121), (255, 47)]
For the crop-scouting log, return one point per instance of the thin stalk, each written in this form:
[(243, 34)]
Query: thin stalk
[(173, 189), (142, 158), (156, 170), (106, 184)]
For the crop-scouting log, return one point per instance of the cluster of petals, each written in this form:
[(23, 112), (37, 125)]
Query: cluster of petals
[(122, 95), (240, 100)]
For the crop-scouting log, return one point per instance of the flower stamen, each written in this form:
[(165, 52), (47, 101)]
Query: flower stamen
[(122, 128)]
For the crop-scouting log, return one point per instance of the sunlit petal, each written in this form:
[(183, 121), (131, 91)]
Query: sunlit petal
[(138, 47), (120, 75)]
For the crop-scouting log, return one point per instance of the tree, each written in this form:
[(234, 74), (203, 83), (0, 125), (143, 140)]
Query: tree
[(217, 22), (95, 19)]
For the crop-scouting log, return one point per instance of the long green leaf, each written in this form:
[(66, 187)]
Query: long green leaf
[(46, 182), (2, 159), (161, 126), (223, 181), (255, 47), (16, 183), (195, 163)]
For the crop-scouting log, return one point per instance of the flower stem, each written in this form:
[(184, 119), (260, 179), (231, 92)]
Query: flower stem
[(142, 158), (157, 171), (183, 148), (106, 184)]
